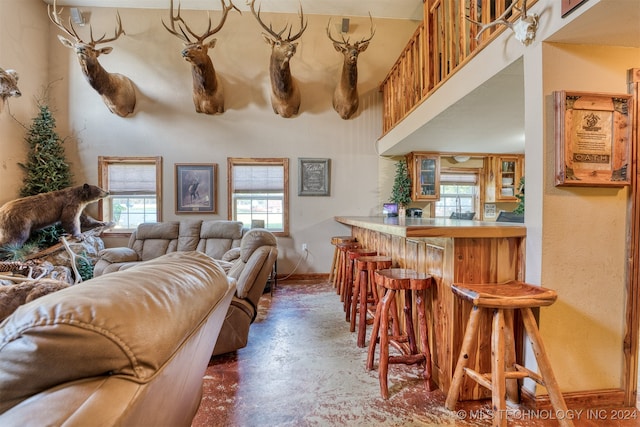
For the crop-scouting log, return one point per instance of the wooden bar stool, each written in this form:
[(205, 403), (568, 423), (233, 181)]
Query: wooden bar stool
[(341, 269), (347, 294), (502, 299), (334, 262), (365, 292), (411, 282)]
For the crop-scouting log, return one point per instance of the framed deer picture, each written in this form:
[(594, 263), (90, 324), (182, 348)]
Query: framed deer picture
[(196, 187), (592, 134)]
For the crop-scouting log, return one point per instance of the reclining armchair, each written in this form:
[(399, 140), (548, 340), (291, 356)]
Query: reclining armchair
[(252, 268)]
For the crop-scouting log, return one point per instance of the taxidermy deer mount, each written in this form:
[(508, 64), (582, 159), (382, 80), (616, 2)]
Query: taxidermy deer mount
[(8, 86), (208, 96), (345, 97), (524, 28), (285, 95), (117, 91)]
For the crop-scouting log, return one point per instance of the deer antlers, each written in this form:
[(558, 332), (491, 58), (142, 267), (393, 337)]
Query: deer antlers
[(278, 36), (54, 15), (182, 35), (524, 28), (346, 42)]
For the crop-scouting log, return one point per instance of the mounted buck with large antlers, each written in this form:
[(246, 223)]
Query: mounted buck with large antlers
[(285, 95), (524, 28), (8, 86), (118, 92), (208, 96), (345, 97)]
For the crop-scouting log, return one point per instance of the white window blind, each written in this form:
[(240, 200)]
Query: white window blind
[(258, 179), (460, 178), (132, 179)]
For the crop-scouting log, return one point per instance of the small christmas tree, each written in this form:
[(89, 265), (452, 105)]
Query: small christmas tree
[(401, 191), (46, 168)]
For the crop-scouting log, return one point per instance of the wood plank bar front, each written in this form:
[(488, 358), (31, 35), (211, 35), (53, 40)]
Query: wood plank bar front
[(451, 251)]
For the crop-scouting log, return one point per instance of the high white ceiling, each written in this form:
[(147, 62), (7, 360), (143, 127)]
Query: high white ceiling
[(398, 9)]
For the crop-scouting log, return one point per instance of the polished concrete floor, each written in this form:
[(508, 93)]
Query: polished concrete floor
[(302, 368)]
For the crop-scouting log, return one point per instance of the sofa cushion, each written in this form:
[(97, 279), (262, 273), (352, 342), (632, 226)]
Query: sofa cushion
[(118, 255), (253, 239), (156, 239), (189, 235), (100, 327), (217, 237)]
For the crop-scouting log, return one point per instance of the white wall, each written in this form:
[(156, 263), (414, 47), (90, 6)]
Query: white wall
[(166, 124), (23, 47)]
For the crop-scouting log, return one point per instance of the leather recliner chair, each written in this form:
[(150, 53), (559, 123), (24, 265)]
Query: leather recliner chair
[(252, 268)]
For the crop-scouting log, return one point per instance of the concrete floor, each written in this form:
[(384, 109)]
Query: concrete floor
[(302, 368)]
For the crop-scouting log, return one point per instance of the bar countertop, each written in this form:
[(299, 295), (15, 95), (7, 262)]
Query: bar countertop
[(435, 227)]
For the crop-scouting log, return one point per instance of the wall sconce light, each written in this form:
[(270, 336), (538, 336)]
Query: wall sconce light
[(345, 25), (76, 16)]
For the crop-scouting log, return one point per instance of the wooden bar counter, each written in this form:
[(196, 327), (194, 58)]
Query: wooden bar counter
[(452, 251)]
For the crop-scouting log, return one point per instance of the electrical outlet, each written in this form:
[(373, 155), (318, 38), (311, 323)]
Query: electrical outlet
[(304, 247)]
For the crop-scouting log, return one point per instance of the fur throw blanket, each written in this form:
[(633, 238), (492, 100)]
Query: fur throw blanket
[(13, 296)]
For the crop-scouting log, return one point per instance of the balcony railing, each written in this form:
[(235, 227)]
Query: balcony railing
[(441, 45)]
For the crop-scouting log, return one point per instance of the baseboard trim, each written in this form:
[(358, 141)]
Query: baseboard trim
[(584, 399), (302, 277)]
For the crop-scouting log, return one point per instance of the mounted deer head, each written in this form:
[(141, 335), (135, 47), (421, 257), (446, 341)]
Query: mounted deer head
[(524, 28), (117, 91), (8, 86), (285, 95), (345, 97), (208, 96)]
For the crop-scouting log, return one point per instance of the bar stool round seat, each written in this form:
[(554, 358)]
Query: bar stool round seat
[(334, 262), (347, 291), (501, 300), (415, 284)]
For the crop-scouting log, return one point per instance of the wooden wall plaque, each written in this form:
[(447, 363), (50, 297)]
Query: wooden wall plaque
[(593, 134)]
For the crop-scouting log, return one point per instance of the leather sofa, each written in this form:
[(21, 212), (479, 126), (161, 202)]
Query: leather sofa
[(246, 255), (126, 349), (151, 240)]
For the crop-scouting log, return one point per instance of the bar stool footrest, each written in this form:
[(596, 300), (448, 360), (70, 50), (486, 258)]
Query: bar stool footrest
[(529, 373), (482, 379), (408, 359)]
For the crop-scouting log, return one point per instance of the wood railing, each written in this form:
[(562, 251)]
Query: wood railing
[(441, 45)]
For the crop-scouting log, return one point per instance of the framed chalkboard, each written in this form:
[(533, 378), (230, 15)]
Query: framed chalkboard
[(314, 177)]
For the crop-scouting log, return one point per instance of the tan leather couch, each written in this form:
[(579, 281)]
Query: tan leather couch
[(151, 240), (126, 349), (248, 256)]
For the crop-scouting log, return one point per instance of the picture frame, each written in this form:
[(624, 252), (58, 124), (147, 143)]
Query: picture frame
[(314, 177), (196, 187), (593, 139)]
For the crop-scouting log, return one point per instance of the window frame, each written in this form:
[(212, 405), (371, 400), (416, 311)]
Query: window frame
[(267, 161), (479, 185), (103, 178)]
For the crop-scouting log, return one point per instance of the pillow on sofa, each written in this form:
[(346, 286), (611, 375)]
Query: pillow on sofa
[(118, 255), (127, 323)]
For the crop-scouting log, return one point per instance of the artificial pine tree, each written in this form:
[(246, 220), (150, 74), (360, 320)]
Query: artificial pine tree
[(401, 191), (46, 168)]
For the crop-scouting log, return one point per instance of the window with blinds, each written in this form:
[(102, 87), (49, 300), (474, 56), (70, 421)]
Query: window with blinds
[(258, 193), (134, 186), (458, 193)]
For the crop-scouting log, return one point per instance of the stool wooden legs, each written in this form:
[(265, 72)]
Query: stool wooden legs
[(555, 396), (406, 343), (504, 371), (463, 358)]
